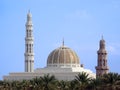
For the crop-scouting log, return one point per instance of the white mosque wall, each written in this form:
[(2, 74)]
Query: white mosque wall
[(59, 73)]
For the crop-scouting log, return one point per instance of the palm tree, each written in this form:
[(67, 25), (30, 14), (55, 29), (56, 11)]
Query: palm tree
[(95, 83), (25, 84), (37, 83), (62, 85), (17, 85), (111, 80), (1, 84), (6, 85), (48, 82), (72, 85), (82, 80)]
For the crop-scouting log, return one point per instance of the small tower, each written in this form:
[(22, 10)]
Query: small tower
[(102, 67), (29, 41)]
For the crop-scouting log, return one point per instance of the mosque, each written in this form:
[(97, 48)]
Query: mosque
[(62, 62)]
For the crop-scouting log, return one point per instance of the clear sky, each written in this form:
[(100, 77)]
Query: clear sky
[(80, 22)]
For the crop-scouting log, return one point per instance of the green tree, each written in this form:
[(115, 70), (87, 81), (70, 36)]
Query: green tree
[(48, 82), (111, 80), (72, 85), (62, 85), (82, 80), (95, 83), (1, 84), (37, 83)]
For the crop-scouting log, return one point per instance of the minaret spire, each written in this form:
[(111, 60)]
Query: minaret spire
[(29, 41), (63, 42), (102, 37), (102, 67), (29, 11)]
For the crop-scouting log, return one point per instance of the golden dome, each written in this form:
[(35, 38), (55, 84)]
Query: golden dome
[(63, 56)]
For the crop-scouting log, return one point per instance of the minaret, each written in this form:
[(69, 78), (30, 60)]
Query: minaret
[(102, 67), (29, 40)]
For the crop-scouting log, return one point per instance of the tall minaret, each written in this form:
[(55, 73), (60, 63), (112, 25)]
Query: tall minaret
[(102, 67), (29, 40)]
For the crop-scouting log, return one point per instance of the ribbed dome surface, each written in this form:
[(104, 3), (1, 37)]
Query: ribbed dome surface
[(62, 55)]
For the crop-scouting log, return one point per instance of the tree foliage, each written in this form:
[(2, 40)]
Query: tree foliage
[(110, 81)]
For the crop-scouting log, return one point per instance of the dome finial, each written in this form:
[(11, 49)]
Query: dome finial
[(102, 37), (29, 11), (63, 42)]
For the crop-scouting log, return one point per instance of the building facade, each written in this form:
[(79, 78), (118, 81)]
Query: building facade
[(62, 62)]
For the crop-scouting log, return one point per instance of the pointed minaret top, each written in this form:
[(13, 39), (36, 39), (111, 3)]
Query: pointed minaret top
[(102, 39), (102, 43), (29, 17), (29, 14)]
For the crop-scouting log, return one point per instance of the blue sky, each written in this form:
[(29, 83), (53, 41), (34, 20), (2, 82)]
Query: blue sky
[(80, 22)]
